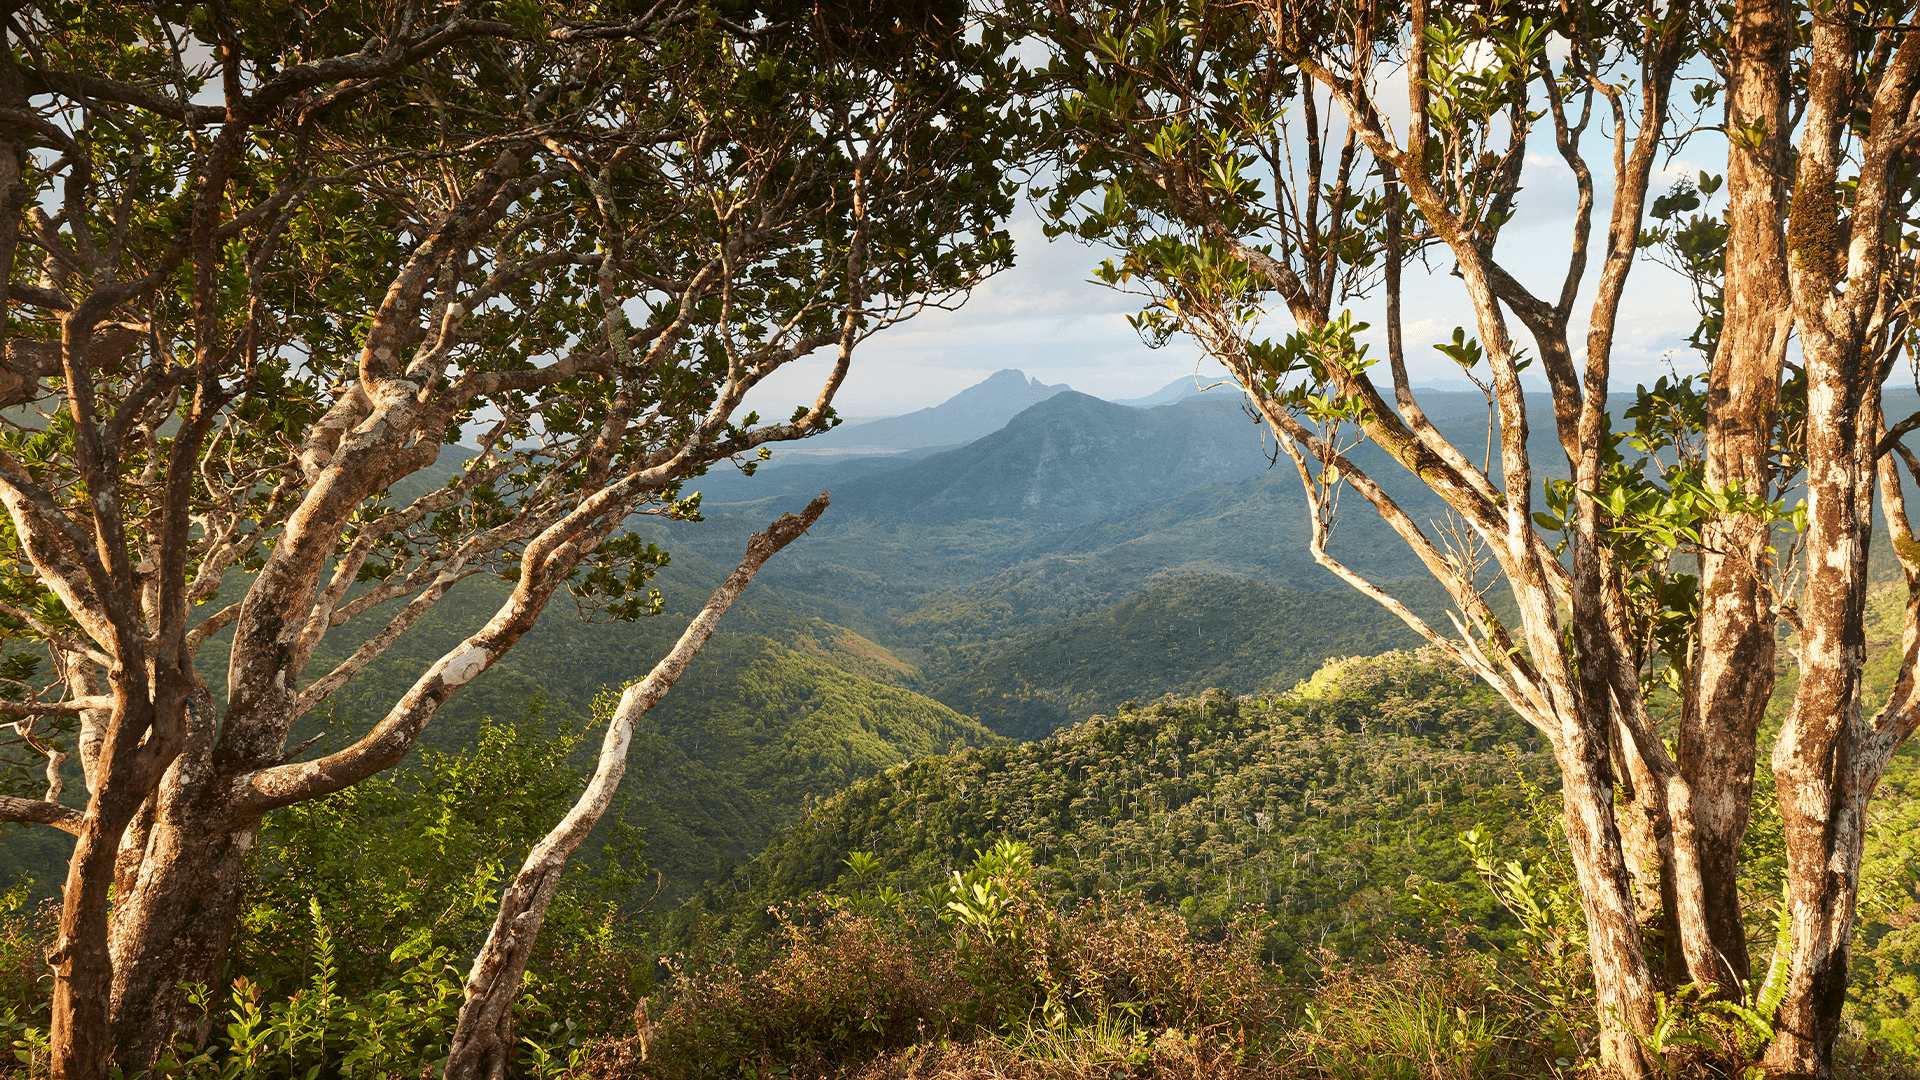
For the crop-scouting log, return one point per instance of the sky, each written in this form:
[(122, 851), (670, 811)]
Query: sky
[(1046, 318), (1043, 317)]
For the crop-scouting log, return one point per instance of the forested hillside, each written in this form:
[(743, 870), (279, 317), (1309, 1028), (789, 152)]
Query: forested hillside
[(1175, 636), (778, 707), (1324, 807), (1023, 623)]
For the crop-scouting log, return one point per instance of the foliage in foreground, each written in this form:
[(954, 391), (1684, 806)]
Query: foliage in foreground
[(991, 961), (993, 974), (362, 912), (989, 974)]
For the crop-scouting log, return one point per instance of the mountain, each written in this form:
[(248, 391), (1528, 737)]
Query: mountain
[(1066, 461), (1076, 505), (1183, 387), (978, 410)]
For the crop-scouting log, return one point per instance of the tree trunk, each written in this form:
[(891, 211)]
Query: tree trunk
[(82, 961), (1623, 983), (1822, 783), (174, 925), (1829, 756), (485, 1031), (82, 966), (1825, 839), (1716, 740)]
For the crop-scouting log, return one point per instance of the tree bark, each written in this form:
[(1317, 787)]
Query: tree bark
[(173, 924), (1829, 756), (1822, 782), (81, 962), (1736, 629), (485, 1031), (1623, 983)]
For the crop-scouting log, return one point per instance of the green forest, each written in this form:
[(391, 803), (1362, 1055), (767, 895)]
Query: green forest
[(1324, 807), (1374, 846)]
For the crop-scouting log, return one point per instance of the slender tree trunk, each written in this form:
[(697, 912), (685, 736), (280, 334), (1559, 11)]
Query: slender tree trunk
[(485, 1031), (1716, 739), (1623, 983), (82, 962), (1823, 785), (1829, 756), (1646, 841), (82, 965)]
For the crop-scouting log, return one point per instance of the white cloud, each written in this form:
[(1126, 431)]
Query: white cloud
[(1047, 319), (1044, 316)]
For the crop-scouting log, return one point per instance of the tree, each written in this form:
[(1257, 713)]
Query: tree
[(1247, 158), (484, 1033), (316, 311)]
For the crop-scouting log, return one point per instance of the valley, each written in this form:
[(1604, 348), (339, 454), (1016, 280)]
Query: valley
[(1079, 555), (1094, 630)]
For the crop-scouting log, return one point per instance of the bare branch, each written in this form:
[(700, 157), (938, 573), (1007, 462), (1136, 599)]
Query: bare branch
[(494, 982), (41, 812)]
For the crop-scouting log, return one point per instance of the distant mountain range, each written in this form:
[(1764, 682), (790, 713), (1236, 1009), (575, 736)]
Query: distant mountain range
[(973, 413), (1021, 574), (976, 411), (1183, 387), (1066, 461), (1182, 487), (1076, 554)]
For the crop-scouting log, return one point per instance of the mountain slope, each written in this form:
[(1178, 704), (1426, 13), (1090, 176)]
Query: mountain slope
[(977, 411), (1180, 635), (779, 706), (1323, 809), (1069, 460), (763, 731)]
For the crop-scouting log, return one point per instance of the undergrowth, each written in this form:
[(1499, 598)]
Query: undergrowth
[(983, 977), (340, 972), (987, 977)]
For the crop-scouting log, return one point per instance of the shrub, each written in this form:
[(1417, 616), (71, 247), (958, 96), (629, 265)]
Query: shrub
[(853, 979), (25, 934)]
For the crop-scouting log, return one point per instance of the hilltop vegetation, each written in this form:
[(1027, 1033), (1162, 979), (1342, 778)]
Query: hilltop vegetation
[(781, 707), (1323, 808), (1180, 635)]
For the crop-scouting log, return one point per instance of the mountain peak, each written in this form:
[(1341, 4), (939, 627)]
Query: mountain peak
[(1010, 383), (979, 410), (1179, 389), (1003, 376), (1066, 461)]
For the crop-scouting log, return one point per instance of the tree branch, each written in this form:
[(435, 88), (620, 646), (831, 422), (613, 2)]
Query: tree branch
[(41, 812), (494, 982)]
